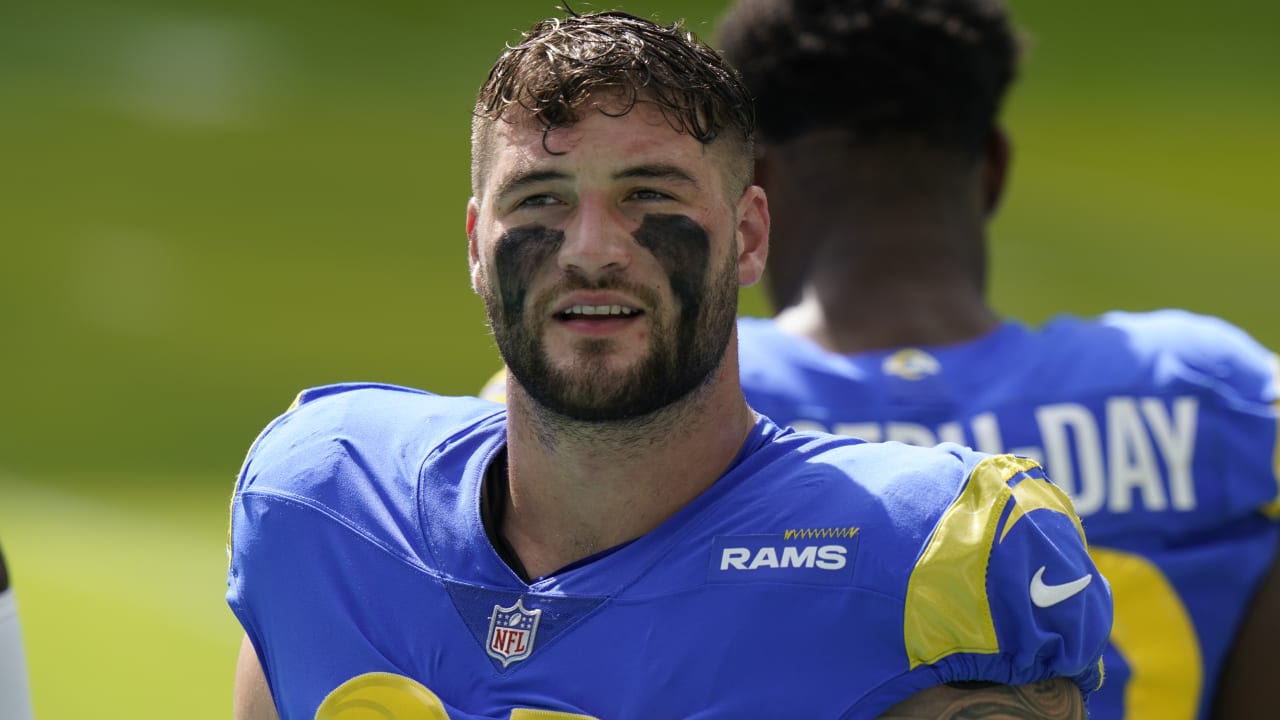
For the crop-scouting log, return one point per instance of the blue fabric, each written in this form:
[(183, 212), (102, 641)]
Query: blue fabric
[(358, 548), (1161, 426)]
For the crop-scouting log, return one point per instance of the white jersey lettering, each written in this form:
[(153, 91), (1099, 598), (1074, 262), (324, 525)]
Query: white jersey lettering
[(1143, 460)]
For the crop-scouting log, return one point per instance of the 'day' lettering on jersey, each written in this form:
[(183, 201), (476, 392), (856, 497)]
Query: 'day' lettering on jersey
[(1120, 453)]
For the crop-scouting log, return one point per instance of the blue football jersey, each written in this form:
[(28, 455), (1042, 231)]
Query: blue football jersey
[(819, 577), (1160, 426)]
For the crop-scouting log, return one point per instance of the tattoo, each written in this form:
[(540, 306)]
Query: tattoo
[(1056, 699)]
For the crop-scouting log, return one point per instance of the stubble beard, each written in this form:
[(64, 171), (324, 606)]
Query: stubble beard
[(680, 360)]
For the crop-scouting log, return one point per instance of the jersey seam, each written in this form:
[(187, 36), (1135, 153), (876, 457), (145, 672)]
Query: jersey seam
[(341, 520)]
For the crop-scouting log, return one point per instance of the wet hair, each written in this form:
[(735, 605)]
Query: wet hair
[(936, 70), (564, 64)]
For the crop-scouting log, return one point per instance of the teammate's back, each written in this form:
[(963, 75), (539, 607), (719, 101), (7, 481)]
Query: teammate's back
[(883, 158), (1160, 426)]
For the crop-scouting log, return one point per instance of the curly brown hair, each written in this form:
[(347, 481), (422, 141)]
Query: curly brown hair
[(562, 64), (933, 69)]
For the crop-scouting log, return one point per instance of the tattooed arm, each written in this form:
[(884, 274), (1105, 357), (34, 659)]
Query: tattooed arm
[(1056, 699)]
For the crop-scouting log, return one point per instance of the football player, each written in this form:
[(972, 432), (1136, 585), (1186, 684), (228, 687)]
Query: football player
[(626, 537), (883, 157)]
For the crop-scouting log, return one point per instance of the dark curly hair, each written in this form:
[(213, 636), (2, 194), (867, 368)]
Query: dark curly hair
[(933, 69), (564, 63)]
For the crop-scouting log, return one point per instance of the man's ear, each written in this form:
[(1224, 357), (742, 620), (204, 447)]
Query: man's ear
[(996, 159), (752, 235), (473, 248)]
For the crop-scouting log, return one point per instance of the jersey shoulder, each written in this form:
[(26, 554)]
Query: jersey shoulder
[(785, 376), (988, 555), (356, 451), (768, 353), (1171, 346), (1001, 587)]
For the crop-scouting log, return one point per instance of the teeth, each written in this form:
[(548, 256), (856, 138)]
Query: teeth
[(601, 310)]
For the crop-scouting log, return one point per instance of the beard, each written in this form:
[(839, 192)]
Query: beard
[(684, 352)]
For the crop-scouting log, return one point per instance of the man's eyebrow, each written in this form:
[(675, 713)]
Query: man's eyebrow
[(519, 181), (656, 172)]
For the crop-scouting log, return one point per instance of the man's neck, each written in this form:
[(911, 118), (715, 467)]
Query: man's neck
[(581, 489), (884, 278), (860, 318)]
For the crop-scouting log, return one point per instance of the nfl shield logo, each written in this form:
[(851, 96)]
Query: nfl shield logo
[(511, 632)]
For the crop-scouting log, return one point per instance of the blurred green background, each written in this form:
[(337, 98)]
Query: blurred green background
[(206, 205)]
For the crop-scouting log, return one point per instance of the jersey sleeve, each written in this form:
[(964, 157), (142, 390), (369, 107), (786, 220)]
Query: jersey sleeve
[(1004, 590), (326, 470)]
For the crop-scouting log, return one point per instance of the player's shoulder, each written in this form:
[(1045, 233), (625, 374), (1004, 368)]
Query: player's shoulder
[(972, 532), (956, 534), (1203, 342), (757, 329), (337, 424), (779, 369), (377, 408), (1169, 344), (762, 343), (914, 495), (908, 486), (355, 400), (935, 484), (872, 464)]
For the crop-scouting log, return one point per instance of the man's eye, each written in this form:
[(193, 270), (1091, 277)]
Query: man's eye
[(537, 201), (647, 194)]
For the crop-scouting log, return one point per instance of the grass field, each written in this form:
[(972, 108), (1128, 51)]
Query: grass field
[(210, 204), (120, 593)]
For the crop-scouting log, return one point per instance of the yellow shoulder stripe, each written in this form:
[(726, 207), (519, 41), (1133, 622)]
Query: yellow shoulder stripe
[(496, 388), (1039, 494), (947, 608)]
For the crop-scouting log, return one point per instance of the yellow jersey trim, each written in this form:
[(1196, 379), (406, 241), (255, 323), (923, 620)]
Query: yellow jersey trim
[(496, 388), (1154, 634), (947, 609), (387, 695), (381, 694), (1037, 494)]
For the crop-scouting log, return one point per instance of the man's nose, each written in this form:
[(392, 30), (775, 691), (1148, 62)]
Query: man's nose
[(597, 240)]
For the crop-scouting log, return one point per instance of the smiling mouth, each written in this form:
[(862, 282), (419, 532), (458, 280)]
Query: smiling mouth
[(600, 312)]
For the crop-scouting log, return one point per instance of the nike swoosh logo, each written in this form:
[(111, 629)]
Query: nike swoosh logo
[(1049, 595)]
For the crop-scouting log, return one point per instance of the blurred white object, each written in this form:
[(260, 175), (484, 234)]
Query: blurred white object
[(15, 696)]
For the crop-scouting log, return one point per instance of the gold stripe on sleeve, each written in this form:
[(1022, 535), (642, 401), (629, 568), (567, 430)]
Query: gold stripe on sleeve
[(1039, 494), (947, 609)]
